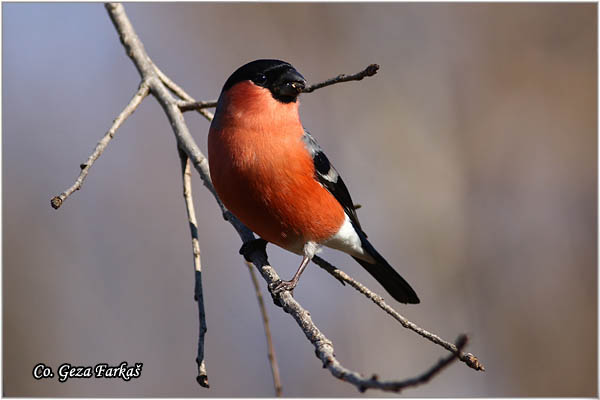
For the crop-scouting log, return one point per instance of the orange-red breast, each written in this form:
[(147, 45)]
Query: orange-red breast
[(272, 175)]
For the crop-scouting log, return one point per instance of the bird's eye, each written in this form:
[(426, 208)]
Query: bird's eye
[(260, 79)]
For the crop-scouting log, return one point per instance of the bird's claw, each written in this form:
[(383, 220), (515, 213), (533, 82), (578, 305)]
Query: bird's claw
[(280, 286)]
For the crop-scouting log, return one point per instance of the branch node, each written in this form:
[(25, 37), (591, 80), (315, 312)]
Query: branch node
[(203, 381), (56, 202), (473, 362), (371, 70)]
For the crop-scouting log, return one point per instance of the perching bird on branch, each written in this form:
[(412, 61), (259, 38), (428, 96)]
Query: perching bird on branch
[(273, 176)]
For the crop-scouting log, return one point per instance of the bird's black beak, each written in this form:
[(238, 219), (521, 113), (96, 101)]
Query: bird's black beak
[(289, 85)]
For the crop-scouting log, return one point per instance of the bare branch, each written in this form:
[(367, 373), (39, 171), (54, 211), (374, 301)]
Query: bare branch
[(396, 386), (149, 73), (142, 92), (163, 89), (324, 347), (190, 105), (461, 342), (340, 275), (202, 377), (196, 105), (189, 204), (369, 71), (270, 347)]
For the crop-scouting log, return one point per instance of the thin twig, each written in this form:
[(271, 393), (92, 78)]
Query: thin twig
[(142, 92), (265, 317), (190, 105), (461, 342), (340, 275), (175, 88), (369, 71), (135, 50), (196, 105), (202, 377)]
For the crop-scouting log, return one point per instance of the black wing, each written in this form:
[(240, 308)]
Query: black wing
[(380, 269), (331, 180)]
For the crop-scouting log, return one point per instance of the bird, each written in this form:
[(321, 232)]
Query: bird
[(275, 178)]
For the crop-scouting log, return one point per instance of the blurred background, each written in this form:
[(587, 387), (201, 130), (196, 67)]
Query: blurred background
[(472, 151)]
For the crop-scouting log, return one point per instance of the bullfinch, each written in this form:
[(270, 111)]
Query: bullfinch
[(275, 178)]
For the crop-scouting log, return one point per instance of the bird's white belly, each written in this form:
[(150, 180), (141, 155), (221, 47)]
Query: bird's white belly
[(347, 240)]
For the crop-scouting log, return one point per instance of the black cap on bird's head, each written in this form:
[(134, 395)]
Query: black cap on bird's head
[(279, 77)]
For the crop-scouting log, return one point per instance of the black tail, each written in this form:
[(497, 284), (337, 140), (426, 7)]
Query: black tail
[(386, 275)]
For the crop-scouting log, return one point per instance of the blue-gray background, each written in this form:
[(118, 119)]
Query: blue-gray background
[(473, 152)]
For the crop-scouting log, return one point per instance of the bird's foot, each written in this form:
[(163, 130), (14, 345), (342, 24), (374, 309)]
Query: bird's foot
[(250, 247), (276, 288), (280, 286)]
